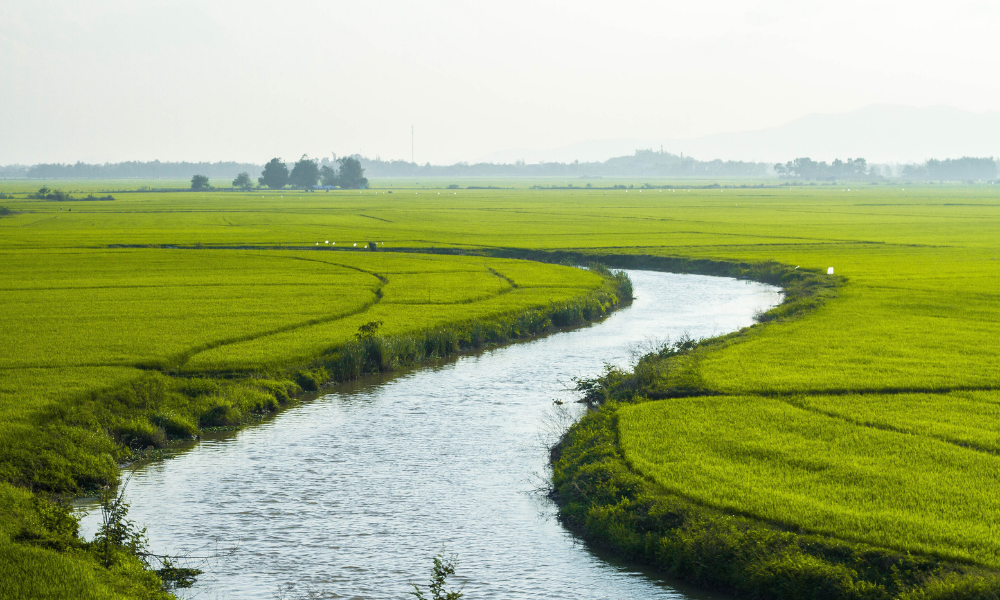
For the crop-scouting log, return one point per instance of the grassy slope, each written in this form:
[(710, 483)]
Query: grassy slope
[(916, 316)]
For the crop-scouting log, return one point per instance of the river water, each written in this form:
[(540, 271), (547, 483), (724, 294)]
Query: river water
[(350, 495)]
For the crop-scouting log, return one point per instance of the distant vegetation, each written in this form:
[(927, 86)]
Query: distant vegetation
[(127, 170), (806, 168), (644, 163), (44, 193), (962, 169)]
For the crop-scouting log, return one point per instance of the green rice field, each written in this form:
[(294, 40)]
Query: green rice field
[(872, 418)]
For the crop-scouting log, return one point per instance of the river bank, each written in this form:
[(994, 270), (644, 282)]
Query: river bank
[(351, 493), (77, 445), (604, 498)]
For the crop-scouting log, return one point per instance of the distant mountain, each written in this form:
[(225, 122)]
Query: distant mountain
[(588, 152), (880, 133)]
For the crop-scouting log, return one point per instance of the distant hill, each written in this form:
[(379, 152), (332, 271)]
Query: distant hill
[(880, 133), (639, 163)]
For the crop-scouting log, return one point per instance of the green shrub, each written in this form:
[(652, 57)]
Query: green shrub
[(175, 425), (138, 432), (221, 414)]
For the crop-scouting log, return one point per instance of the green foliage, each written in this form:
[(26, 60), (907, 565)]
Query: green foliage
[(199, 182), (274, 175), (328, 175), (351, 176), (305, 173), (243, 182), (45, 193), (367, 330), (443, 568), (118, 536), (177, 577)]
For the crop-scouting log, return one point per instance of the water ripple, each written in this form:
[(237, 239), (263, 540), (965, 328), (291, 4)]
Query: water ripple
[(349, 496)]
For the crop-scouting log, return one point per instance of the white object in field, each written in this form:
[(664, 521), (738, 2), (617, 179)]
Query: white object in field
[(334, 244), (327, 242), (829, 271), (355, 243)]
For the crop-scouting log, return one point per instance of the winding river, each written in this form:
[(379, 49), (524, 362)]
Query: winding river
[(350, 495)]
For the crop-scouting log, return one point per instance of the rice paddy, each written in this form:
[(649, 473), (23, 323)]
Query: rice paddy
[(872, 419), (779, 462)]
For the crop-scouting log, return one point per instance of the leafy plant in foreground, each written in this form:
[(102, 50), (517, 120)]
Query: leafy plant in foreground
[(368, 330), (120, 537), (439, 575), (118, 534)]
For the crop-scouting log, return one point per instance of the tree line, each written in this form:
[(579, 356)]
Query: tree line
[(641, 164), (953, 169), (127, 170), (306, 173), (959, 169), (806, 168)]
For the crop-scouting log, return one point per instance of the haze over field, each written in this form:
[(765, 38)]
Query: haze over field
[(223, 80), (880, 133)]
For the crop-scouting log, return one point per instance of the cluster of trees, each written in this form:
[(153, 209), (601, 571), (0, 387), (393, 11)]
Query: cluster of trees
[(806, 168), (957, 169), (306, 173)]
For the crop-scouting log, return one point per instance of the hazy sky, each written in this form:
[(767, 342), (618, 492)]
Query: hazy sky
[(108, 80)]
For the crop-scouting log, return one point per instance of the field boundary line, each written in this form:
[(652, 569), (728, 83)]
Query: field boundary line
[(888, 427)]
